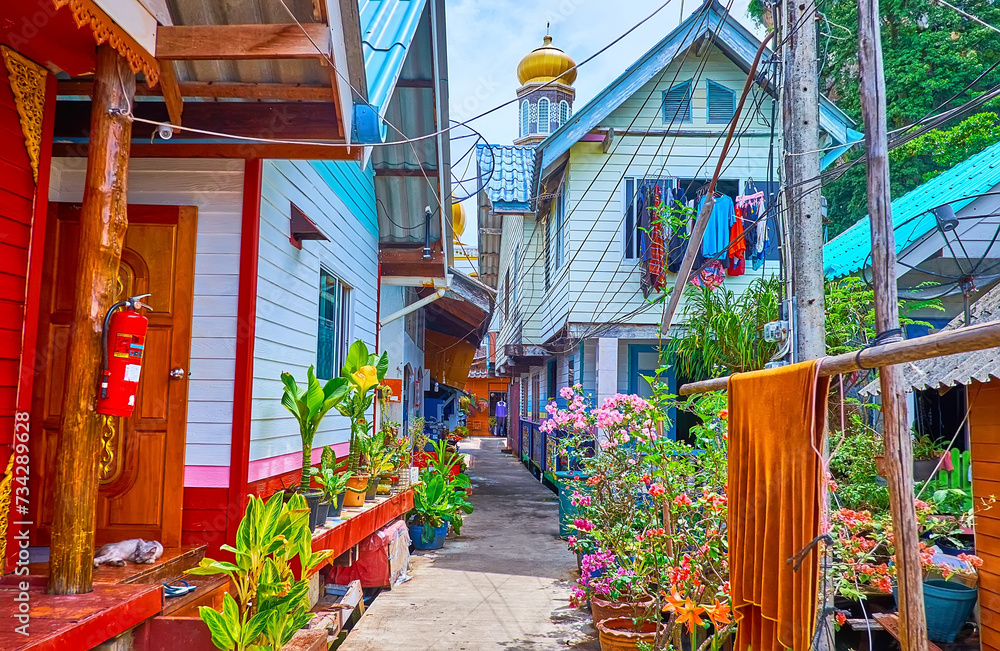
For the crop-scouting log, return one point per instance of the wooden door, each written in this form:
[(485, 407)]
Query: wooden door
[(141, 462)]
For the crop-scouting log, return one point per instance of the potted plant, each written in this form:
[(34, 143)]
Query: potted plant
[(270, 602), (309, 405), (436, 506), (363, 371), (333, 480), (926, 455)]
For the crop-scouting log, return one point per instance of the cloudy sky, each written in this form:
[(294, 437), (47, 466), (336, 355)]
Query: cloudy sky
[(487, 39)]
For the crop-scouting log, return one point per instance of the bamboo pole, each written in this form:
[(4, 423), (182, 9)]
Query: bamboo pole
[(102, 232), (895, 423), (948, 342), (705, 214)]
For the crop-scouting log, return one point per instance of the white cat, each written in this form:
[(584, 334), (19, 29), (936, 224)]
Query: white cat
[(137, 550)]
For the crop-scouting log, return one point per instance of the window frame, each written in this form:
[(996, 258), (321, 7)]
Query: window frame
[(714, 89), (688, 118), (632, 246), (564, 112), (543, 125), (525, 118), (342, 322), (560, 225)]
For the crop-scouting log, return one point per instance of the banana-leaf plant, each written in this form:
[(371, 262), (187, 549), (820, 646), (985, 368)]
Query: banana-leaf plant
[(362, 372), (309, 405), (270, 603)]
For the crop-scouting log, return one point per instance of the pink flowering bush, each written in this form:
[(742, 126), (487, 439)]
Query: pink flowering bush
[(652, 511)]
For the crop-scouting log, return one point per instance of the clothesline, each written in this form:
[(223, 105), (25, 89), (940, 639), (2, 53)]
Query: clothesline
[(947, 342)]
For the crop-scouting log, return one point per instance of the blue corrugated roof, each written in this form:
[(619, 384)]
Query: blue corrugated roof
[(911, 217), (507, 170), (736, 40), (387, 29)]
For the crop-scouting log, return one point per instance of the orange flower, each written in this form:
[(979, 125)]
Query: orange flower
[(690, 614), (841, 618), (724, 414), (674, 601), (719, 613)]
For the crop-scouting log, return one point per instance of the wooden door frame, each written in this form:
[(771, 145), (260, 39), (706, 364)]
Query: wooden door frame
[(186, 218)]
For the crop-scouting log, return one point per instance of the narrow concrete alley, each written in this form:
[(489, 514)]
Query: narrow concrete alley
[(503, 584)]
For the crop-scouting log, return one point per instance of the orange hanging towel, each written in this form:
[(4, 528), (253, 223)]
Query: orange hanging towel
[(777, 420)]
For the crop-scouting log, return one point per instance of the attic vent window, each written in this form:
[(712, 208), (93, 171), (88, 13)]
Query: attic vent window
[(303, 228), (721, 103), (677, 104)]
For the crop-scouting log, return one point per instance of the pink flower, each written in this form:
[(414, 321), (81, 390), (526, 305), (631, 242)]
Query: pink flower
[(656, 489), (682, 500)]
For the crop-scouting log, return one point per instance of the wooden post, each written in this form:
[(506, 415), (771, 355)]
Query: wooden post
[(102, 232), (896, 427), (803, 198)]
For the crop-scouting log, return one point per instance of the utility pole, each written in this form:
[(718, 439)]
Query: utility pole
[(803, 196), (895, 424), (803, 202)]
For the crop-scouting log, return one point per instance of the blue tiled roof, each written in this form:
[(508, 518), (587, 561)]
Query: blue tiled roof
[(506, 172), (911, 216), (387, 29)]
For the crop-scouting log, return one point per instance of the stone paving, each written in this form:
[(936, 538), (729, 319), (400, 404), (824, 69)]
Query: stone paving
[(503, 584)]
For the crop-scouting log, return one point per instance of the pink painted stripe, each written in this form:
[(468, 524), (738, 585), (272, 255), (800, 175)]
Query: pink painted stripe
[(264, 468), (592, 137), (206, 476)]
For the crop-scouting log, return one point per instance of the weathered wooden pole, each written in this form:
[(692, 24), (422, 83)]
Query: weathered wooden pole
[(895, 424), (803, 198), (102, 232)]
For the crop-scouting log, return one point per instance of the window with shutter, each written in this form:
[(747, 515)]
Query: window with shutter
[(525, 118), (563, 112), (543, 115), (677, 104), (721, 103)]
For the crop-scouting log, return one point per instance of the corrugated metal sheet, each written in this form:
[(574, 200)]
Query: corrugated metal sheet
[(387, 30), (846, 253), (960, 368), (247, 12), (506, 172)]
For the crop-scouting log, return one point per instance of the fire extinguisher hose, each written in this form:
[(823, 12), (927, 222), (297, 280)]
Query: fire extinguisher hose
[(106, 362)]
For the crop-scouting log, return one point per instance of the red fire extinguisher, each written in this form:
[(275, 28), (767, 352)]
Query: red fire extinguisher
[(124, 341)]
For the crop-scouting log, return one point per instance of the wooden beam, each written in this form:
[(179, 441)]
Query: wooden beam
[(895, 422), (939, 344), (414, 83), (270, 120), (408, 172), (408, 261), (172, 97), (102, 232), (217, 90), (246, 311), (266, 41), (228, 149)]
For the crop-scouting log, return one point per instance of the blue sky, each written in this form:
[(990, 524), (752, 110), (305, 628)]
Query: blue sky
[(487, 39)]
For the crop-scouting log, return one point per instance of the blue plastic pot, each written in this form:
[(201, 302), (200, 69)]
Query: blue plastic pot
[(417, 533), (948, 605)]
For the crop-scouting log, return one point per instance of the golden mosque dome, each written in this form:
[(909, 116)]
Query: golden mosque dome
[(545, 64)]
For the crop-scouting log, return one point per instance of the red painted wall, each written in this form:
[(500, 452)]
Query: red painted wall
[(17, 192)]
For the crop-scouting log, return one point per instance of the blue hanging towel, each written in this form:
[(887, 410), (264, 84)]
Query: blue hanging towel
[(716, 239)]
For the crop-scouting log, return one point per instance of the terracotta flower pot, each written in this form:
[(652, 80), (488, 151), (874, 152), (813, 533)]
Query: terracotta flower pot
[(351, 496), (621, 633), (602, 609)]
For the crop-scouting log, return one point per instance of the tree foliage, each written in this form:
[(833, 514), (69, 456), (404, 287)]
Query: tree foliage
[(931, 53)]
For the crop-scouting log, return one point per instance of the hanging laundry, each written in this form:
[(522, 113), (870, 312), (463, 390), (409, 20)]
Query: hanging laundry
[(679, 238), (737, 247), (657, 253), (777, 419), (716, 238), (712, 276), (753, 208)]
